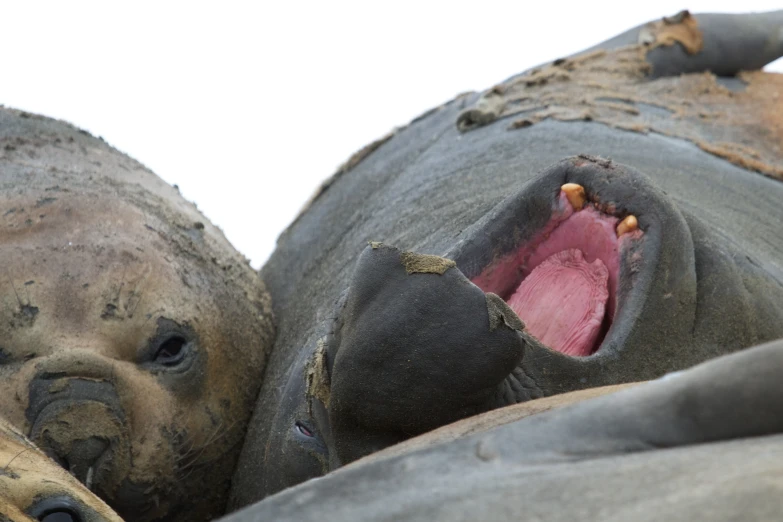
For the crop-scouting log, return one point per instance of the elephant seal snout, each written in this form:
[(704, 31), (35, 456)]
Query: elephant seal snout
[(81, 425)]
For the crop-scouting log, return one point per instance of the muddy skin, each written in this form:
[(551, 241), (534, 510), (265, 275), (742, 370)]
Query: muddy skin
[(133, 336), (387, 354), (686, 447), (34, 487)]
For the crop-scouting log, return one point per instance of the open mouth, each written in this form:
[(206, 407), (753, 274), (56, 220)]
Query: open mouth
[(563, 282), (570, 253)]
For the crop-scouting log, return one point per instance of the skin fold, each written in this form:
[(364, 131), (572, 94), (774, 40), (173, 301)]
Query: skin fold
[(382, 336), (132, 335)]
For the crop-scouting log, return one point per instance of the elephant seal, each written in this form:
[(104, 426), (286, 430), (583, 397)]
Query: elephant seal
[(132, 335), (701, 445), (653, 194), (32, 486)]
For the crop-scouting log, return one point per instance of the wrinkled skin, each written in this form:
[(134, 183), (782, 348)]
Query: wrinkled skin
[(376, 345), (704, 444), (34, 487), (132, 335)]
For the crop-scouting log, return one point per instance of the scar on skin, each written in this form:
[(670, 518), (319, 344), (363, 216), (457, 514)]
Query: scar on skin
[(317, 375), (425, 263), (502, 314)]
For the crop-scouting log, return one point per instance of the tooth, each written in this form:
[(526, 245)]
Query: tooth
[(88, 480), (629, 224), (575, 194)]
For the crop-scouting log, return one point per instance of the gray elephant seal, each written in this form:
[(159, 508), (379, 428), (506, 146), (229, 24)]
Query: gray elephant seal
[(33, 486), (604, 218), (133, 335), (703, 445)]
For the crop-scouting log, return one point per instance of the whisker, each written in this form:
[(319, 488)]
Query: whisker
[(209, 442), (194, 467), (11, 282), (203, 446), (5, 468)]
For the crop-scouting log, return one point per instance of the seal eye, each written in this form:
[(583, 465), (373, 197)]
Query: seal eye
[(308, 439), (303, 430), (171, 351), (56, 510)]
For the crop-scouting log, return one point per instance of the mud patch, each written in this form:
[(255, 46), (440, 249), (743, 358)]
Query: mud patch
[(425, 263), (613, 88), (317, 375), (25, 316), (486, 110)]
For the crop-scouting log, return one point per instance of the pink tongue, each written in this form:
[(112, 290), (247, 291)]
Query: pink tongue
[(562, 302)]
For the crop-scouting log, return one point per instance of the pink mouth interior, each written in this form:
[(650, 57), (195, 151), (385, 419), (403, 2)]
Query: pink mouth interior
[(563, 283), (563, 301)]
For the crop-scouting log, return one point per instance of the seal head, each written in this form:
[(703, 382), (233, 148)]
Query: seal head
[(133, 334)]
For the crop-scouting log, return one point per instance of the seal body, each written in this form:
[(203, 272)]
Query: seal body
[(422, 284), (32, 486), (133, 334), (699, 445)]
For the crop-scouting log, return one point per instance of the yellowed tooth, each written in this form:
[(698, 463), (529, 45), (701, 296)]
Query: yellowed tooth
[(629, 224), (575, 194)]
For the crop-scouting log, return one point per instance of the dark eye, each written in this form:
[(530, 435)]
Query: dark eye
[(56, 510), (171, 351), (303, 430)]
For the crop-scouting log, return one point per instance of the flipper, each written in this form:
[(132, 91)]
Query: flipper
[(724, 44)]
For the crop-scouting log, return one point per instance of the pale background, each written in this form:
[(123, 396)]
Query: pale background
[(248, 106)]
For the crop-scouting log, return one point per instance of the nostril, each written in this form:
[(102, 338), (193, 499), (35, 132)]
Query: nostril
[(80, 424), (89, 450), (84, 455)]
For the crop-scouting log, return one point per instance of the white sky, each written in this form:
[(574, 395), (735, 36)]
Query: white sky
[(248, 106)]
